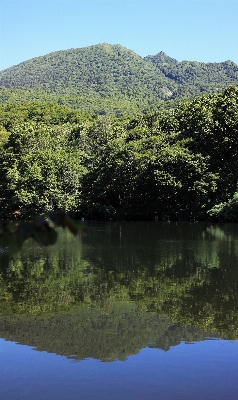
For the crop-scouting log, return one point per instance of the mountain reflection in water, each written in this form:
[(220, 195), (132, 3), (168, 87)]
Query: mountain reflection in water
[(89, 333), (121, 287)]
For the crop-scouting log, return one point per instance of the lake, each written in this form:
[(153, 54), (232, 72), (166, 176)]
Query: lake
[(124, 310)]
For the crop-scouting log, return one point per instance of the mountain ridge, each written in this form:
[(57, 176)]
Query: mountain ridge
[(112, 74), (161, 53)]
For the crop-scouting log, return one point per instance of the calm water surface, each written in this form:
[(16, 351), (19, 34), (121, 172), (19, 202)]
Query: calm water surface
[(122, 311)]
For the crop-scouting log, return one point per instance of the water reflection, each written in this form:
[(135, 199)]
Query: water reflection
[(89, 333), (120, 287)]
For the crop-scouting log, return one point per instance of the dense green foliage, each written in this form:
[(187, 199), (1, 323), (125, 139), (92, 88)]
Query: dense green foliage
[(177, 163), (112, 80)]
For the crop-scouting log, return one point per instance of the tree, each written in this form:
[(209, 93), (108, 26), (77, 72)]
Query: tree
[(41, 171)]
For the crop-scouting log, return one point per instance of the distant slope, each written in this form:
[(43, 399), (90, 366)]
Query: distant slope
[(111, 79)]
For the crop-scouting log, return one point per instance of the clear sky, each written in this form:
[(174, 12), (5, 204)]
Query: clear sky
[(198, 30)]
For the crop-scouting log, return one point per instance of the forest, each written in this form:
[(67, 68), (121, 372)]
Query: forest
[(177, 163)]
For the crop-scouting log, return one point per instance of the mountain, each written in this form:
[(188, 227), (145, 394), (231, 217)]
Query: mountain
[(101, 70), (110, 79)]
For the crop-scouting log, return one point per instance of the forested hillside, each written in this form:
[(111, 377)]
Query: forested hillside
[(112, 80), (192, 78), (180, 163)]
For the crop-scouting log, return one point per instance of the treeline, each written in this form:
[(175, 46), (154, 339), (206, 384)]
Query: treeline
[(180, 163)]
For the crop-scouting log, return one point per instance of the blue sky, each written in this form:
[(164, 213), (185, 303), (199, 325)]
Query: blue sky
[(200, 30)]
